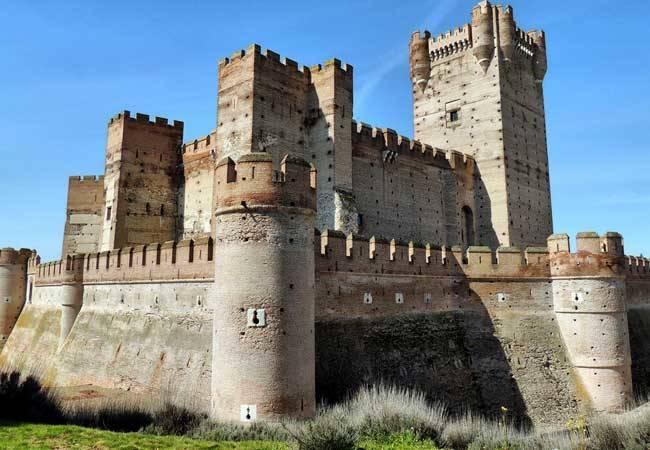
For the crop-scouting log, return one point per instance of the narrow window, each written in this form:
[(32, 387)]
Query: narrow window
[(147, 208), (454, 116), (162, 210), (468, 226), (108, 212)]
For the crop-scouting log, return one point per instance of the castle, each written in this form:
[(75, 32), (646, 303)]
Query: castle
[(294, 254)]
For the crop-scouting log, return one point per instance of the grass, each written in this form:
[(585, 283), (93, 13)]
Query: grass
[(376, 417), (31, 436)]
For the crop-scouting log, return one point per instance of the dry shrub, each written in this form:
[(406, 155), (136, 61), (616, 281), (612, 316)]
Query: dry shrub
[(381, 410)]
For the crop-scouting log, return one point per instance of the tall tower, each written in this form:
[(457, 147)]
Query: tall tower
[(263, 357), (140, 183), (478, 90), (270, 104)]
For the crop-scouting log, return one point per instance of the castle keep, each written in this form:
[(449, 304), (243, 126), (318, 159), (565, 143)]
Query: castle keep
[(293, 254)]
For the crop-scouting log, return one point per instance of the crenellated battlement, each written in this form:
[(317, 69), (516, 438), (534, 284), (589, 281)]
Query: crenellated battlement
[(291, 65), (254, 182), (638, 267), (11, 256), (525, 43), (394, 145), (143, 119), (201, 144), (350, 253), (173, 260), (69, 270), (596, 255), (266, 54), (87, 179), (450, 43)]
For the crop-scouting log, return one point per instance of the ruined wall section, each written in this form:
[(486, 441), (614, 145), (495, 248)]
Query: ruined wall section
[(478, 90), (196, 189), (141, 180), (404, 189), (84, 215)]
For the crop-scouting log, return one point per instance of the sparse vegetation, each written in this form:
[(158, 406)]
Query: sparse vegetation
[(378, 417)]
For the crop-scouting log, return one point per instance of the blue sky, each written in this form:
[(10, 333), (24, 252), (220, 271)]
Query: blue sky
[(66, 67)]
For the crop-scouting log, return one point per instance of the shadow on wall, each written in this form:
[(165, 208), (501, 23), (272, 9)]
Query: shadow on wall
[(452, 356), (486, 235)]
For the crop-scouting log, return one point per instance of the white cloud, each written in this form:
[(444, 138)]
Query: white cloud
[(395, 57)]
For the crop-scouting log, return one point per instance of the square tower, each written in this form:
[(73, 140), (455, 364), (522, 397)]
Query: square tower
[(141, 180), (478, 90)]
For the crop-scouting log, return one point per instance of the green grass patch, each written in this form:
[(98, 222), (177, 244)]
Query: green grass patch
[(30, 436), (403, 441)]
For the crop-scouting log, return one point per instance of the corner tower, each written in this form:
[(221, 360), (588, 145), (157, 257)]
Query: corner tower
[(590, 302), (263, 360), (478, 90)]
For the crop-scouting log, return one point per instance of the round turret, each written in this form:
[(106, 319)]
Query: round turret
[(483, 34), (72, 291), (13, 276), (420, 59), (589, 296), (539, 58), (263, 365), (507, 33)]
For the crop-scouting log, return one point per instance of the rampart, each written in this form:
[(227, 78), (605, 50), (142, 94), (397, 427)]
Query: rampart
[(477, 328)]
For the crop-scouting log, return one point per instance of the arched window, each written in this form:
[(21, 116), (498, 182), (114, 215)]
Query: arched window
[(468, 226)]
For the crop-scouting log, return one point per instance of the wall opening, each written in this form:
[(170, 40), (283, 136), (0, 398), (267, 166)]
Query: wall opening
[(468, 226)]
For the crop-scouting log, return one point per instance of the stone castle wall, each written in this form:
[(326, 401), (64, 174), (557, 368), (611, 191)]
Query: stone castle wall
[(475, 329), (84, 215), (196, 190)]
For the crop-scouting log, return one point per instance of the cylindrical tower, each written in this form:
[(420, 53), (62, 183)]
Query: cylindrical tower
[(13, 277), (483, 34), (540, 65), (589, 296), (507, 32), (72, 292), (263, 361), (420, 59)]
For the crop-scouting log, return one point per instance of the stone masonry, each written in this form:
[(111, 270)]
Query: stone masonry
[(294, 254)]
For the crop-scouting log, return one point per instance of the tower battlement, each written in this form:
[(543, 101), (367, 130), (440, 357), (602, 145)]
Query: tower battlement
[(203, 144), (86, 179), (144, 119), (394, 145), (11, 256), (254, 182), (291, 65)]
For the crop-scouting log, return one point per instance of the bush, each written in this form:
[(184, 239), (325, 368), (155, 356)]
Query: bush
[(326, 432), (378, 414), (627, 431), (24, 399), (381, 410), (224, 431)]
